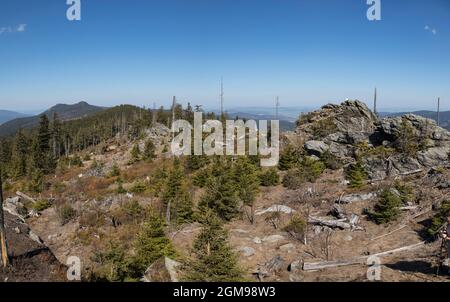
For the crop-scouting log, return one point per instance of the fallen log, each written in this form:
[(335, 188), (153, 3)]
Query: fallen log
[(411, 172), (314, 266), (390, 233), (331, 223), (20, 194), (409, 208)]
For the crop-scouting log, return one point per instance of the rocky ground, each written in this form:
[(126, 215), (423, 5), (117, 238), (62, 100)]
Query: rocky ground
[(31, 260)]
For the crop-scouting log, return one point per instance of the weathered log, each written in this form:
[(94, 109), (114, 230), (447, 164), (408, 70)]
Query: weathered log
[(390, 233), (411, 172), (314, 266), (409, 208), (20, 194), (331, 223)]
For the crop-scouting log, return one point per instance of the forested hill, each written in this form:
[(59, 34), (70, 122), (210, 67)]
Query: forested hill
[(64, 112), (6, 116)]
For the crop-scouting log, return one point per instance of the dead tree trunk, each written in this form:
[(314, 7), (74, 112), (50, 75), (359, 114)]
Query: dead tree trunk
[(3, 245)]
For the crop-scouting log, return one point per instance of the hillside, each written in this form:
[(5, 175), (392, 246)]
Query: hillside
[(65, 112), (6, 116), (348, 186)]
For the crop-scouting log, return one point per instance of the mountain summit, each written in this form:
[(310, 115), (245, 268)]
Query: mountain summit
[(65, 112)]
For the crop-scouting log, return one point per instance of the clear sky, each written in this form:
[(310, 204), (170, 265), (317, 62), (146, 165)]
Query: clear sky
[(309, 52)]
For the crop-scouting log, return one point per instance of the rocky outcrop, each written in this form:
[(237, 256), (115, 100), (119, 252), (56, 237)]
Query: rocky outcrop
[(343, 130), (30, 259)]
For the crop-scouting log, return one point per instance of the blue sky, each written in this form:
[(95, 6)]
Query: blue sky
[(309, 52)]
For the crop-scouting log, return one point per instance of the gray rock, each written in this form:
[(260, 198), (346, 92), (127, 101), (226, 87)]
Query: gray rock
[(275, 208), (14, 207), (295, 266), (257, 240), (273, 238), (247, 251), (287, 247), (162, 270), (356, 198), (316, 147), (35, 237)]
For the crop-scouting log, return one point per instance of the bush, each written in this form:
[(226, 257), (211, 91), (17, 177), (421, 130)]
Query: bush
[(138, 187), (440, 219), (330, 161), (76, 161), (114, 264), (135, 154), (200, 178), (289, 158), (66, 213), (41, 205), (356, 175), (115, 171), (296, 227), (292, 180), (151, 244), (388, 207), (309, 171), (149, 151), (130, 212), (323, 128), (269, 178), (406, 191), (120, 189)]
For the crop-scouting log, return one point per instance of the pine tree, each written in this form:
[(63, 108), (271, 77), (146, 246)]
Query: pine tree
[(43, 158), (149, 151), (135, 154), (247, 180), (150, 245), (357, 175), (214, 260), (56, 135), (269, 178), (288, 158), (176, 199), (388, 207), (221, 192), (20, 155)]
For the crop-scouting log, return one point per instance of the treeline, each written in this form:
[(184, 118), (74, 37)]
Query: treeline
[(38, 151)]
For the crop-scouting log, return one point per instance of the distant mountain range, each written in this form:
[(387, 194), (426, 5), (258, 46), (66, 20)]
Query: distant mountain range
[(6, 116), (11, 121), (65, 112)]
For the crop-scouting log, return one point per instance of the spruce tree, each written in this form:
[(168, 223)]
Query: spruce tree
[(214, 259), (289, 158), (43, 158), (388, 207), (221, 192), (149, 151), (20, 155), (56, 135), (357, 175), (176, 199), (135, 154), (150, 245), (247, 180)]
